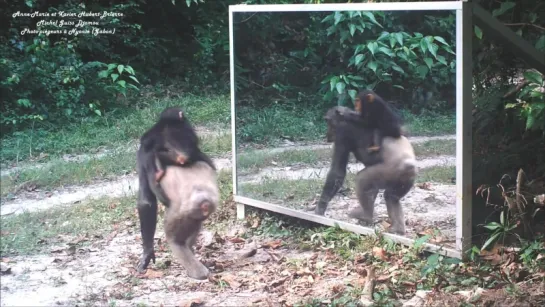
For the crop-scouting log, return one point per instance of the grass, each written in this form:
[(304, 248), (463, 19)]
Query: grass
[(253, 160), (111, 130), (29, 233), (298, 193), (435, 148), (270, 125), (58, 172), (427, 125), (35, 232)]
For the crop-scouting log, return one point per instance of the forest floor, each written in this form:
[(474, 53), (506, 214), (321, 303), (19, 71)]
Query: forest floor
[(75, 241)]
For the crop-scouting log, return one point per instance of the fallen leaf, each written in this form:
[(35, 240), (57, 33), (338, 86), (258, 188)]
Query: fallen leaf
[(379, 252), (191, 303), (230, 279), (151, 274), (236, 240), (256, 222), (273, 256), (272, 244), (424, 185), (278, 282), (310, 279)]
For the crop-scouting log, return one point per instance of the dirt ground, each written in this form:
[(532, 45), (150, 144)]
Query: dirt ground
[(259, 271)]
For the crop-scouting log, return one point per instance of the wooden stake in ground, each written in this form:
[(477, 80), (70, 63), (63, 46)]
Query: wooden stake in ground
[(369, 287)]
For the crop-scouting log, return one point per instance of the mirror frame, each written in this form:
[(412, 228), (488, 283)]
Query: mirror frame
[(464, 81)]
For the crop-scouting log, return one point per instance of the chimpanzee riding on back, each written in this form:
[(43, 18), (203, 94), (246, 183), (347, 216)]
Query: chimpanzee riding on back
[(374, 113), (171, 141)]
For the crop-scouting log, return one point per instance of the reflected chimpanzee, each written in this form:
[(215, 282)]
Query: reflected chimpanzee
[(392, 168), (374, 113)]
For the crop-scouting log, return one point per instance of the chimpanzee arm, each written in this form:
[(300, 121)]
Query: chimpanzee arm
[(335, 176), (351, 116)]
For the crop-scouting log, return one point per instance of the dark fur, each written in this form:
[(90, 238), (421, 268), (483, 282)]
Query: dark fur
[(173, 141), (374, 113), (392, 169), (148, 162)]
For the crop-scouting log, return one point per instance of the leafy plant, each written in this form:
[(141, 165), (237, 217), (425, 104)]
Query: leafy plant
[(375, 55), (530, 105), (499, 230)]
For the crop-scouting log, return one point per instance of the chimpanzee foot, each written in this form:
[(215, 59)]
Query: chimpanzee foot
[(144, 261), (357, 213), (397, 229), (319, 211), (200, 271)]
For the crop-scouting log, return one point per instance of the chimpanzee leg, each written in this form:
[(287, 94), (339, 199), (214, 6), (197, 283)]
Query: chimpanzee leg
[(368, 182), (147, 213), (392, 195), (335, 177)]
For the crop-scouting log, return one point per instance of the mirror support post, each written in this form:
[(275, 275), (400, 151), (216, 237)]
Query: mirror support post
[(240, 206), (464, 131)]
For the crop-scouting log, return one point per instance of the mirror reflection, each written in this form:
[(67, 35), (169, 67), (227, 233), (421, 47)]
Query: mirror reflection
[(375, 75)]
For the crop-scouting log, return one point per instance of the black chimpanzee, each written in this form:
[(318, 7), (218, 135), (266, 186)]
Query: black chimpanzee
[(392, 168)]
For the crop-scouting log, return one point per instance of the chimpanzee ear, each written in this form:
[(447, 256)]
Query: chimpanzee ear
[(180, 114), (370, 97)]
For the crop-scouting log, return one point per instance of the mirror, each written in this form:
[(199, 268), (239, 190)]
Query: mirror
[(291, 67)]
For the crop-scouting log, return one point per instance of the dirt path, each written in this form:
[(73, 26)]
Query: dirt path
[(40, 200), (100, 153), (98, 272), (128, 185), (132, 146), (292, 173), (103, 272), (295, 146)]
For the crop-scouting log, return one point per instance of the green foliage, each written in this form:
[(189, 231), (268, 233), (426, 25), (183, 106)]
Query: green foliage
[(498, 230), (530, 105), (46, 77), (398, 58)]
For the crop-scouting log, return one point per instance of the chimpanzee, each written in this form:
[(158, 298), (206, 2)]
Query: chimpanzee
[(185, 190), (173, 141), (392, 168), (374, 113)]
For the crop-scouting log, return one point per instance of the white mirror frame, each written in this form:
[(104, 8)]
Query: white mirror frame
[(464, 36)]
